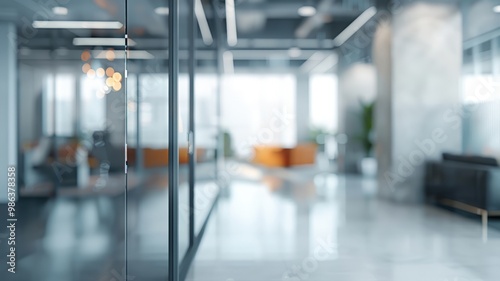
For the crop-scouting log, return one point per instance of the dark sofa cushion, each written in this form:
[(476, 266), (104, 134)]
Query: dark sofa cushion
[(471, 159)]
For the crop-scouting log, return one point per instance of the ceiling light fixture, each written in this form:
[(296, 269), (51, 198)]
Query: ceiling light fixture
[(232, 36), (206, 35), (162, 11), (95, 41), (78, 24), (312, 61), (354, 26), (306, 11), (60, 11), (496, 9), (327, 64), (228, 61)]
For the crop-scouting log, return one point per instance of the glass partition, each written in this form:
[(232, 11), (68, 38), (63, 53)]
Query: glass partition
[(206, 99), (147, 138), (64, 64), (86, 101), (183, 126), (480, 79)]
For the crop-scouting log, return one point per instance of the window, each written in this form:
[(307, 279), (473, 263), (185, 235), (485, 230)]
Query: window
[(323, 106), (59, 105), (93, 106), (250, 103)]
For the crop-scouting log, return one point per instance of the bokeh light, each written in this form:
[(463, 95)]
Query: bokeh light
[(85, 55), (110, 55), (117, 77), (91, 74), (100, 72), (110, 82), (86, 67), (110, 71), (117, 86)]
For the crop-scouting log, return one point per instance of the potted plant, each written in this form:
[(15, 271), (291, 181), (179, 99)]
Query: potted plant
[(368, 164)]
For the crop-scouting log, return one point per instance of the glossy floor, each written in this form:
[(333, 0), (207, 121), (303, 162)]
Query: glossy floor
[(334, 228), (79, 235)]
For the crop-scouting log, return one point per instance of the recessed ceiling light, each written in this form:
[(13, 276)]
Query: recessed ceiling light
[(61, 11), (162, 11), (496, 9), (78, 24), (95, 41), (201, 18), (294, 52), (307, 11), (232, 36)]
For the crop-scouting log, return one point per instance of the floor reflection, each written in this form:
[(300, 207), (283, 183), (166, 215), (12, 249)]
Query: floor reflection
[(294, 226), (79, 236)]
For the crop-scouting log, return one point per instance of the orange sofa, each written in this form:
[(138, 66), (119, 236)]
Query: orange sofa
[(158, 157), (275, 156)]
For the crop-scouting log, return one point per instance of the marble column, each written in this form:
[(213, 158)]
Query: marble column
[(426, 54)]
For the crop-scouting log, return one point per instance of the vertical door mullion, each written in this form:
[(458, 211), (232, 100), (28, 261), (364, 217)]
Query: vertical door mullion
[(173, 146), (125, 48), (191, 134)]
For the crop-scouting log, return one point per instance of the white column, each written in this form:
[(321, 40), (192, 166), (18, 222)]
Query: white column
[(8, 105)]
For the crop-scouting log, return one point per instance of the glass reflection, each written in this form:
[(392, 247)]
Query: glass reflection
[(70, 135)]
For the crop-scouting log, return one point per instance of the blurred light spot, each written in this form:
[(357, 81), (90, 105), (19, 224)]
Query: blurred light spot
[(110, 82), (85, 56), (110, 71), (86, 68), (61, 11), (110, 55), (117, 86), (100, 72), (117, 76), (91, 74), (306, 11), (162, 11)]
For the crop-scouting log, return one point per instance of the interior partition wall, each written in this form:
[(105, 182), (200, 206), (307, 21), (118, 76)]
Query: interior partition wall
[(116, 132), (480, 79), (166, 220)]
